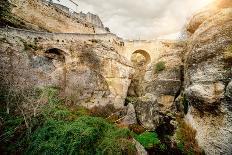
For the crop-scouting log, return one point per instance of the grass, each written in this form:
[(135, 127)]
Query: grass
[(29, 46), (148, 139), (186, 141), (160, 66)]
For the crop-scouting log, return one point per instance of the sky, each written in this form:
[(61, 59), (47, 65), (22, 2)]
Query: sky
[(141, 19)]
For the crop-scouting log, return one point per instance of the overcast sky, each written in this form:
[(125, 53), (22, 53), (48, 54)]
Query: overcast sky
[(141, 19)]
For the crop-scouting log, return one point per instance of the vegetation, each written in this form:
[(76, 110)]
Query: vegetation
[(185, 103), (185, 136), (6, 18), (148, 139), (160, 66), (29, 46), (59, 129)]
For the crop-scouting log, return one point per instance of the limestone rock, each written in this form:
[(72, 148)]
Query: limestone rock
[(130, 117), (206, 77), (206, 96), (147, 111), (229, 90), (140, 149)]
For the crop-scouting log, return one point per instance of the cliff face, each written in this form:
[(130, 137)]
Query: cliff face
[(41, 15), (156, 86), (208, 78), (192, 76), (90, 72)]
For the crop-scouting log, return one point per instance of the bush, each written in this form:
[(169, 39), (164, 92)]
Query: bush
[(61, 129), (160, 66), (148, 139), (85, 135)]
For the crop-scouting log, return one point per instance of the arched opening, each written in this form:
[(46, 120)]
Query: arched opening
[(56, 54), (140, 58)]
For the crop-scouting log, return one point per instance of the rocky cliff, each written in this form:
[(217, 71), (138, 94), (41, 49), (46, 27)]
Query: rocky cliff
[(43, 16), (208, 77), (169, 82), (90, 72)]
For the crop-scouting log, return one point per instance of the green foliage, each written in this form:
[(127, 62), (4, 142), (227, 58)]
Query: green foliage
[(160, 66), (85, 135), (163, 147), (9, 138), (148, 139), (29, 46), (131, 100), (116, 141), (61, 129)]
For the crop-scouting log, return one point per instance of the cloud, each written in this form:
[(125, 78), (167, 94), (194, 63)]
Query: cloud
[(141, 19)]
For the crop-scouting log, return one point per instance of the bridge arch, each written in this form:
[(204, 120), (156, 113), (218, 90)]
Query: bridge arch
[(145, 57), (56, 54)]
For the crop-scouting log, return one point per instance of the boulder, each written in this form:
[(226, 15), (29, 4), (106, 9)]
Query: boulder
[(147, 111)]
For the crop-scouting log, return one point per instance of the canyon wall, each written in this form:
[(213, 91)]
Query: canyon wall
[(87, 68), (208, 75), (42, 15), (192, 76)]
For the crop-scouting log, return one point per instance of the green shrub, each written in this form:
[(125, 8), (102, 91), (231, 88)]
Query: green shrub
[(160, 66), (61, 129), (148, 139), (85, 135)]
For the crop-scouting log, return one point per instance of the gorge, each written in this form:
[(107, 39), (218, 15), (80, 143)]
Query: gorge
[(165, 86)]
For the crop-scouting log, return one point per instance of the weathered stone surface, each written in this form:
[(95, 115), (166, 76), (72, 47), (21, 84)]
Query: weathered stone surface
[(130, 117), (147, 111), (39, 14), (140, 149), (207, 75), (229, 90), (89, 72)]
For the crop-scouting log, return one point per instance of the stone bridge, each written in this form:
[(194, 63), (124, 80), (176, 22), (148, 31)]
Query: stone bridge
[(149, 49)]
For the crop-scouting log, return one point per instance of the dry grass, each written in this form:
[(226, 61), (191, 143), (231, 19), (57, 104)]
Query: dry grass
[(185, 135)]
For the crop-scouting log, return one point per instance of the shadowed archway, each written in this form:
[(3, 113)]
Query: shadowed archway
[(140, 58)]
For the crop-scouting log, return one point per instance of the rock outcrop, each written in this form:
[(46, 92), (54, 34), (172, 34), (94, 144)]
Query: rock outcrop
[(207, 79), (44, 16)]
